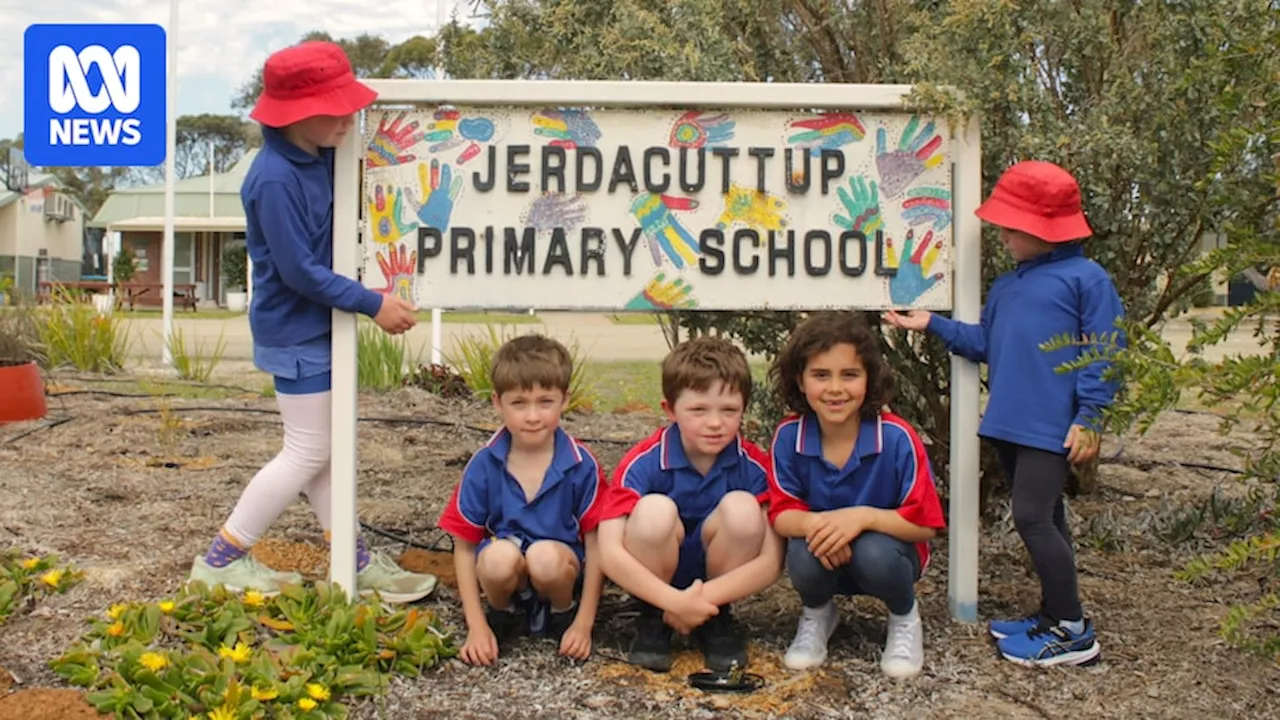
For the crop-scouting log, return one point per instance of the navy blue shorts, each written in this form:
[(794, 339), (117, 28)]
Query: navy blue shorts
[(693, 556)]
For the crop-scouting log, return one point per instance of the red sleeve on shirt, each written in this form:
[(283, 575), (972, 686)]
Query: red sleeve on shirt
[(467, 512), (920, 504), (786, 490), (760, 471), (630, 479), (593, 501)]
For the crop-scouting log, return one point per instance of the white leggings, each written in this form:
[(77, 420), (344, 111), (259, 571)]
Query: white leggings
[(301, 467)]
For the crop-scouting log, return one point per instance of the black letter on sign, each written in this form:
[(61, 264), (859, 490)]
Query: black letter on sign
[(711, 242), (592, 250), (518, 251), (832, 168), (796, 184), (738, 237), (516, 169), (424, 250), (786, 252), (627, 247), (558, 254), (725, 155), (881, 270), (483, 185), (582, 154), (685, 185), (761, 154), (462, 245), (860, 241), (649, 183), (488, 250), (623, 170), (823, 240), (552, 169)]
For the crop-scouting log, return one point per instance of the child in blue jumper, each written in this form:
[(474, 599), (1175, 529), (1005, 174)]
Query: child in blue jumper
[(1040, 421), (851, 488), (308, 105)]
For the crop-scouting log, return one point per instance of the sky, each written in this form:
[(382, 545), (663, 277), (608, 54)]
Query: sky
[(220, 42)]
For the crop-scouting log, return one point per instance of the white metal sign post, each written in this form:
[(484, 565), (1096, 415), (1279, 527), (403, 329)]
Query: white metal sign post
[(651, 196)]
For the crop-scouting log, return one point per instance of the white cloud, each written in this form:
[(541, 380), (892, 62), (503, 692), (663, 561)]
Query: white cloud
[(220, 42)]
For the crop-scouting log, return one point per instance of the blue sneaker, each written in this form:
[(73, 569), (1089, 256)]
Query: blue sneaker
[(1001, 629), (1050, 645), (536, 610)]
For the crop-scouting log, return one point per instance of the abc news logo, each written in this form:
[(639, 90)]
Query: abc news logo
[(121, 89)]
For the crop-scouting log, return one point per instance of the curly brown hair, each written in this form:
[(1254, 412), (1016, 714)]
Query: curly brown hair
[(695, 364), (819, 333), (529, 360)]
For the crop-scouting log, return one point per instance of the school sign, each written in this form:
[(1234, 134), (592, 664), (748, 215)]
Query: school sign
[(492, 206)]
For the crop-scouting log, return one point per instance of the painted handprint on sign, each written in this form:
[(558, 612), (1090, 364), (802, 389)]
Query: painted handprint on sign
[(861, 208), (913, 266), (928, 205), (663, 231), (554, 210), (389, 144), (915, 153), (828, 131), (400, 268), (567, 128), (696, 129), (451, 130), (384, 215), (663, 294), (752, 208), (433, 204)]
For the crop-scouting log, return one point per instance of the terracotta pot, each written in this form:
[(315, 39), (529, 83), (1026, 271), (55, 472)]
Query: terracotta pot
[(21, 392)]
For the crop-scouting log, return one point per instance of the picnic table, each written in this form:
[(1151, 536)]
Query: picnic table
[(184, 294)]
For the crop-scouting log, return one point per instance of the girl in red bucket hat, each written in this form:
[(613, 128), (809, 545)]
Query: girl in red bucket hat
[(307, 106), (1039, 420)]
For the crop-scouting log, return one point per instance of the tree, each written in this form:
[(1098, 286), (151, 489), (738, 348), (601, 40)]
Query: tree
[(229, 136)]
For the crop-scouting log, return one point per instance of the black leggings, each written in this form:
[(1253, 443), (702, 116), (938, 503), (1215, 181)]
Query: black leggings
[(1038, 478)]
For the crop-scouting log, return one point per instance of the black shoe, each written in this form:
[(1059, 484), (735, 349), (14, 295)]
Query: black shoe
[(559, 622), (721, 643), (651, 646), (507, 625)]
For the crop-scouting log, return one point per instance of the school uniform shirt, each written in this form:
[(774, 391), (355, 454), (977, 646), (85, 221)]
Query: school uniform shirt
[(1030, 403), (888, 469), (658, 464), (489, 502), (287, 195)]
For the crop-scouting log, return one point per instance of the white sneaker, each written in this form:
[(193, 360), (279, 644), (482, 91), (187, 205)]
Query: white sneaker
[(904, 648), (809, 648)]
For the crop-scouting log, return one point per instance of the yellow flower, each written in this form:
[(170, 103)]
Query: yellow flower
[(318, 691), (222, 713), (307, 704), (264, 693), (238, 654), (155, 662), (115, 611), (253, 598), (116, 629), (30, 563), (166, 606), (52, 578)]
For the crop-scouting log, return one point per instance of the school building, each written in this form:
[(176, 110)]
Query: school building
[(41, 233), (208, 217)]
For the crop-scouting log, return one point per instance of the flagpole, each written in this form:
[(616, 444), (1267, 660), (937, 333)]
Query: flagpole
[(171, 142)]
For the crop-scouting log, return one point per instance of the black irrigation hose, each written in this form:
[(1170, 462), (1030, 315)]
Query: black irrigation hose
[(46, 426), (434, 545)]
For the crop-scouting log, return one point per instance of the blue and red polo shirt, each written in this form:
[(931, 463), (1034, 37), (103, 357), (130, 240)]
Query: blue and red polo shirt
[(658, 464), (489, 502), (888, 469)]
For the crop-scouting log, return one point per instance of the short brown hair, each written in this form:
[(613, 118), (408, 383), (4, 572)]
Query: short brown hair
[(695, 364), (529, 360), (819, 333)]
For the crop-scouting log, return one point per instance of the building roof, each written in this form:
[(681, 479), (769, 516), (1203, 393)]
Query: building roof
[(34, 180), (142, 208)]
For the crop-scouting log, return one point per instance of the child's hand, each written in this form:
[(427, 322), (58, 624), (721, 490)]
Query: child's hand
[(836, 529), (396, 315), (839, 558), (481, 647), (917, 320), (576, 642), (692, 610), (1082, 444)]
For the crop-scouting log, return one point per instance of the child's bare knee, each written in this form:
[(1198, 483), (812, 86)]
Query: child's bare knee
[(738, 518), (550, 563), (654, 521), (500, 562)]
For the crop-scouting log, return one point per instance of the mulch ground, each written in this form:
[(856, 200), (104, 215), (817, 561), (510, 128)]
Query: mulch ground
[(131, 489)]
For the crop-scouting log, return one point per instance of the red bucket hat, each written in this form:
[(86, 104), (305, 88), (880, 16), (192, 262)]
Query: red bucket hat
[(1038, 198), (309, 79)]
